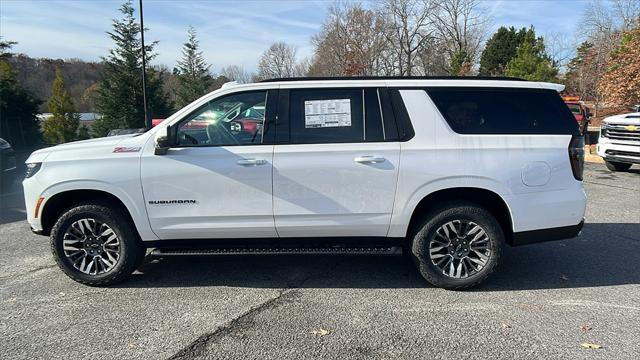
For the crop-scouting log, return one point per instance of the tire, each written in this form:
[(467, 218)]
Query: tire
[(482, 258), (114, 255), (585, 133), (617, 166)]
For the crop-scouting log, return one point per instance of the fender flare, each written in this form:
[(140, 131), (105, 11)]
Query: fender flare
[(138, 213), (404, 210)]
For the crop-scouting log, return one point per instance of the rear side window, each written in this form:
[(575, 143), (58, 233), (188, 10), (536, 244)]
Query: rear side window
[(335, 116), (504, 111)]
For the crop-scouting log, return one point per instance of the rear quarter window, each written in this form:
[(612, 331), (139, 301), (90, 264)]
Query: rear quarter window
[(504, 111)]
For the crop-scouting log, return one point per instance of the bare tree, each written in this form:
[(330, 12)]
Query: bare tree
[(278, 61), (628, 12), (236, 73), (602, 27), (599, 19), (350, 42), (408, 26), (302, 68), (461, 26), (560, 47), (431, 59)]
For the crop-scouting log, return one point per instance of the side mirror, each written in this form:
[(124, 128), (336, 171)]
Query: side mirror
[(163, 141)]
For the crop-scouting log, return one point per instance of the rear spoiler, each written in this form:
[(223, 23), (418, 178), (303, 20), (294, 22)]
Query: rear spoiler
[(551, 86)]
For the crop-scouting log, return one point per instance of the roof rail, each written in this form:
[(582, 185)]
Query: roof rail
[(317, 78)]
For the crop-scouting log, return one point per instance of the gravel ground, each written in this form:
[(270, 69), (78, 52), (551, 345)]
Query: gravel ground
[(544, 302)]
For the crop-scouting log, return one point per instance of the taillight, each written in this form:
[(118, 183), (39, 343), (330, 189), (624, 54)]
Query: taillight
[(576, 156)]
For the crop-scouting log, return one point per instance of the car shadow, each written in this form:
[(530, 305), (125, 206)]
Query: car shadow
[(604, 255)]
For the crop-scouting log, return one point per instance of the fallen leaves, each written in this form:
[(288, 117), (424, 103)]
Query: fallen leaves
[(320, 332), (587, 345), (585, 327), (505, 325)]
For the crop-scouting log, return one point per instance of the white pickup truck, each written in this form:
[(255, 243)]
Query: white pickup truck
[(619, 142), (448, 169)]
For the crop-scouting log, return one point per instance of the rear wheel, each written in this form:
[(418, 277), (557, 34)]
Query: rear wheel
[(617, 166), (457, 246), (95, 245)]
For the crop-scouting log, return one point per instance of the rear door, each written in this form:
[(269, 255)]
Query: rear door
[(335, 163)]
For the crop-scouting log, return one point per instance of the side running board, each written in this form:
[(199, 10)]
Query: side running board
[(175, 251)]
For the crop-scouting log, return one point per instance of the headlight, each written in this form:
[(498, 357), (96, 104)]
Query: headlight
[(32, 169), (603, 129)]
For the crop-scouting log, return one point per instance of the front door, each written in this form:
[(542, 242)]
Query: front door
[(337, 175), (217, 182)]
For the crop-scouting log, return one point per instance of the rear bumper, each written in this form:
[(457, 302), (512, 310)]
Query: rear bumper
[(543, 235)]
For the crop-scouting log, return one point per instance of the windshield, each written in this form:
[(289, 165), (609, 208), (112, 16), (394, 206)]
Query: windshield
[(575, 109)]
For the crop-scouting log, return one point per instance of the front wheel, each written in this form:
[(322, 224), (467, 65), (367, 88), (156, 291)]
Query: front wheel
[(457, 246), (616, 166), (95, 245)]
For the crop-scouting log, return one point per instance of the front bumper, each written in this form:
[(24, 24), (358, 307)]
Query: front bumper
[(32, 192), (619, 152), (37, 232), (543, 235)]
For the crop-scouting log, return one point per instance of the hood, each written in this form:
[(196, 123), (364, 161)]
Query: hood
[(624, 119), (83, 145)]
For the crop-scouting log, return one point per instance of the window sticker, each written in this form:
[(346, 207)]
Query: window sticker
[(327, 113)]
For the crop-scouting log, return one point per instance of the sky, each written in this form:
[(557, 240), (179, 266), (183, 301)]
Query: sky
[(230, 32)]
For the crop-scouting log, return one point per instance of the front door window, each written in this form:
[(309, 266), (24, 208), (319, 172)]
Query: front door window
[(236, 119)]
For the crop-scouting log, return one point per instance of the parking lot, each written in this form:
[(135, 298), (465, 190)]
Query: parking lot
[(545, 301)]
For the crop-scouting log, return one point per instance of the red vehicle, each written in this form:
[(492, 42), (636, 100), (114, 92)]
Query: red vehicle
[(580, 112)]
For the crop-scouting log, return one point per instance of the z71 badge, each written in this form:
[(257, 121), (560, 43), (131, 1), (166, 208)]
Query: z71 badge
[(125, 149)]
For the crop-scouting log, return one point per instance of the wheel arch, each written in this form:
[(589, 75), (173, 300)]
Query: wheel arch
[(485, 198), (59, 202)]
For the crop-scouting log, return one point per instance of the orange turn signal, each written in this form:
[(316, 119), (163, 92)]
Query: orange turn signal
[(40, 200)]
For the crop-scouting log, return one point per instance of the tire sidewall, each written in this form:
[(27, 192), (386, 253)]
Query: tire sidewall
[(128, 245), (422, 239), (617, 166)]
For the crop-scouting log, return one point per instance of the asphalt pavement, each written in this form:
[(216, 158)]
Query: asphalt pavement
[(544, 302)]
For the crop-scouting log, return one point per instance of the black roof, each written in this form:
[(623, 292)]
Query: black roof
[(394, 78)]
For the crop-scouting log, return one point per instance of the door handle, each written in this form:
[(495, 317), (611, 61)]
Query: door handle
[(369, 159), (251, 162)]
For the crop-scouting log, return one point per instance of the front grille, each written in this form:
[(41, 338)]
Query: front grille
[(621, 132)]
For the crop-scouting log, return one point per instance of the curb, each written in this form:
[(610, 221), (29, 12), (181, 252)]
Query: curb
[(593, 158)]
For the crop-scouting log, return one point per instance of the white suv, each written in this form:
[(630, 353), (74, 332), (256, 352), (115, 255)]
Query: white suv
[(449, 170), (619, 142)]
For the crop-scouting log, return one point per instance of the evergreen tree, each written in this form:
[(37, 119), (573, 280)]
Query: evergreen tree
[(83, 133), (531, 61), (62, 126), (500, 49), (460, 64), (194, 79), (18, 107), (119, 95)]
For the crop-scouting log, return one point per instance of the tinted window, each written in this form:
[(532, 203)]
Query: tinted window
[(504, 111), (335, 116), (236, 119), (374, 127)]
